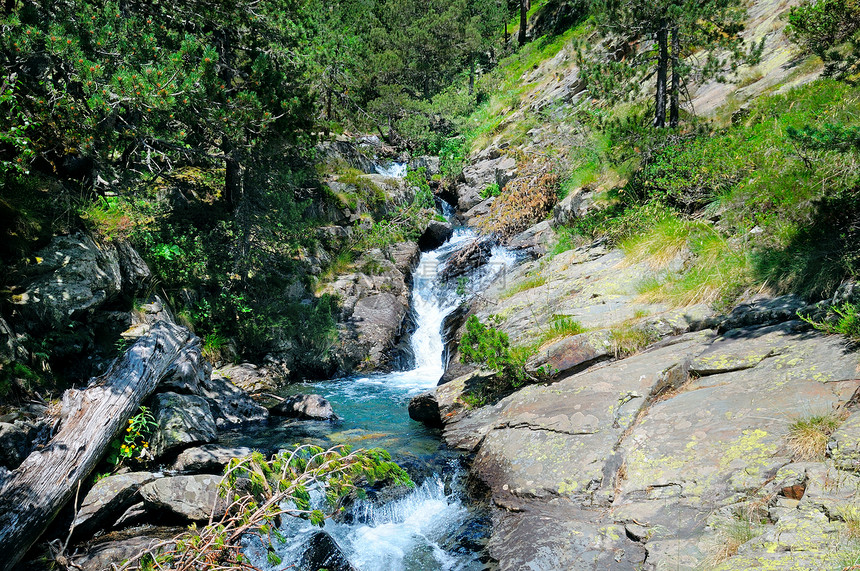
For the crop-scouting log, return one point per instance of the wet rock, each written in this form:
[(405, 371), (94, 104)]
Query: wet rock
[(75, 276), (108, 499), (311, 407), (572, 354), (324, 553), (193, 498), (209, 458), (103, 555), (230, 405), (183, 420), (534, 241), (425, 409), (404, 256), (467, 259), (435, 235)]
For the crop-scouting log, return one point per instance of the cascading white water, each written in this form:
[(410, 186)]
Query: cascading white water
[(393, 169), (407, 534)]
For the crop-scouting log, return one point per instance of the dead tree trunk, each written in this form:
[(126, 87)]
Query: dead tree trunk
[(31, 495)]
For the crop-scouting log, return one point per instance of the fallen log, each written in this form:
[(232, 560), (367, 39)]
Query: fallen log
[(31, 495)]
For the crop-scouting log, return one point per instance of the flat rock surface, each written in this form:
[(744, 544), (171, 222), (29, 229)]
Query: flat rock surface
[(190, 497), (109, 498)]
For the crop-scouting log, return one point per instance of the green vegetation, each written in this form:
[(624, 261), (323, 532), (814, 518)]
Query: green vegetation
[(259, 492), (523, 286), (843, 319), (132, 445), (561, 326), (490, 347), (807, 437), (628, 338)]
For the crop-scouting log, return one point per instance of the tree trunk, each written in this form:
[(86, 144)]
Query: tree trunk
[(662, 73), (674, 90), (232, 177), (524, 14), (472, 76), (506, 35), (31, 495)]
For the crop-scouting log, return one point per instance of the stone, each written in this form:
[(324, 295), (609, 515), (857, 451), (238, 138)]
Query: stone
[(108, 499), (310, 407), (209, 458), (534, 241), (577, 204), (11, 349), (183, 420), (19, 438), (472, 256), (763, 310), (249, 377), (74, 276), (323, 553), (105, 554), (134, 272), (404, 256), (230, 405), (572, 354), (558, 535), (436, 234), (430, 164), (425, 409), (193, 498), (478, 176), (844, 444)]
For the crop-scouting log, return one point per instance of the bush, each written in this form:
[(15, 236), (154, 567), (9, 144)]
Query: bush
[(527, 200)]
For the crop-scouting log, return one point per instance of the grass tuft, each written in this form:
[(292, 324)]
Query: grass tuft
[(807, 437)]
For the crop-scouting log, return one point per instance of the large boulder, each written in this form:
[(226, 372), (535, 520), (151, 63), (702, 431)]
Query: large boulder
[(183, 420), (105, 554), (534, 241), (374, 313), (311, 407), (467, 259), (75, 275), (108, 499), (323, 553), (430, 164), (249, 377), (209, 458), (572, 354), (480, 175), (190, 497), (425, 409), (575, 205), (230, 405), (435, 235)]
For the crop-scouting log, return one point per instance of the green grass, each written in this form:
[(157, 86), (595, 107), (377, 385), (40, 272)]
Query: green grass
[(808, 436), (843, 319), (627, 338), (528, 284), (561, 326)]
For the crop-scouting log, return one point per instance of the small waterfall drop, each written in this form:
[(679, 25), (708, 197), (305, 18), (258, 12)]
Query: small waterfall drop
[(392, 169)]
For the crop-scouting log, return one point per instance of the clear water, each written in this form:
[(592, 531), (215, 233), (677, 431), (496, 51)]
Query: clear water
[(414, 532)]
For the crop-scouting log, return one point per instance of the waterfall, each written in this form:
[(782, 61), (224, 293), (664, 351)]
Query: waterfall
[(415, 532), (392, 169)]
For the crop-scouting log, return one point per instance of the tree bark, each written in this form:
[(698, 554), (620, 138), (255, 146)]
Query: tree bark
[(524, 14), (31, 495), (675, 88), (662, 73)]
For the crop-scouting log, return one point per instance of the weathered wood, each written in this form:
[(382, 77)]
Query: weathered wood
[(31, 495)]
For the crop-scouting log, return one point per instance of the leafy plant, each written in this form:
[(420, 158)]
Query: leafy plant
[(133, 444), (843, 319), (490, 347), (259, 492), (490, 190)]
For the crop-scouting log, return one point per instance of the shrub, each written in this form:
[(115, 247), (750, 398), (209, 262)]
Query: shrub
[(843, 319), (490, 190), (490, 347), (527, 200)]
